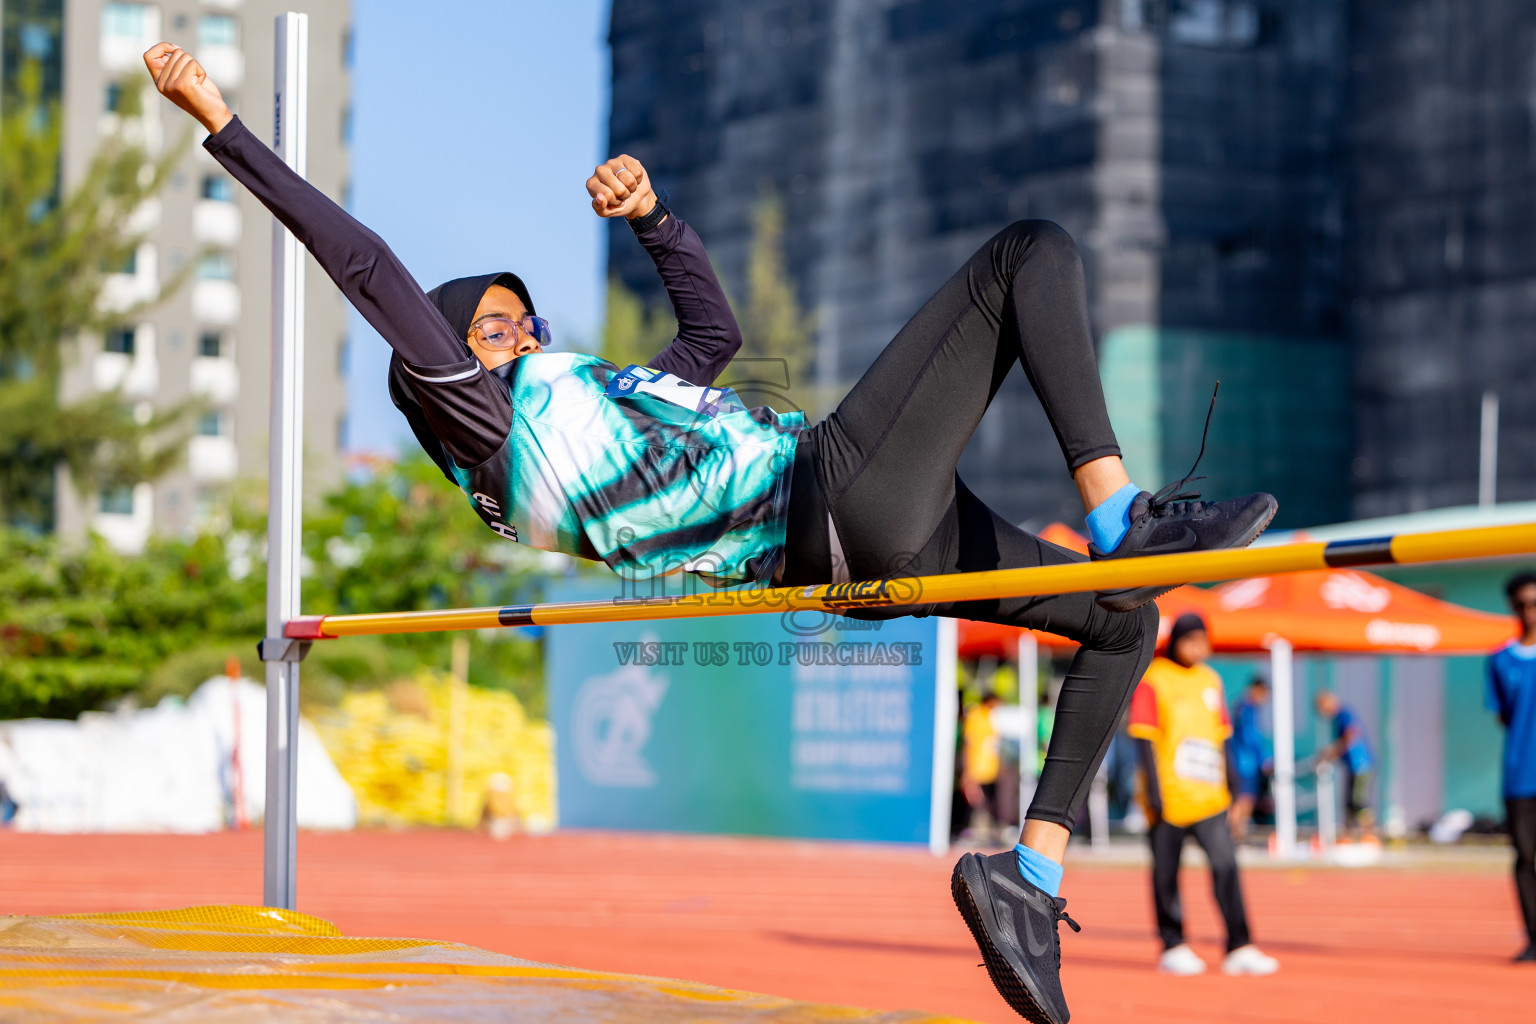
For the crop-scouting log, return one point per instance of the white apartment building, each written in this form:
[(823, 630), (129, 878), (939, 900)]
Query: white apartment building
[(211, 339)]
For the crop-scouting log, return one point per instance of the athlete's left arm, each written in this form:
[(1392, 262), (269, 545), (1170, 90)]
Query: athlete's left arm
[(707, 334)]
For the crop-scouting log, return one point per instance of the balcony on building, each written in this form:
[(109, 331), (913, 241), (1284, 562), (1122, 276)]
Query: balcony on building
[(215, 296), (127, 361), (141, 126), (216, 216), (211, 452), (145, 217), (135, 281), (218, 49), (127, 30), (214, 373), (124, 516)]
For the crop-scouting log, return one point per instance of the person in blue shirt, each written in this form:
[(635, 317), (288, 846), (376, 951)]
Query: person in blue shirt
[(1353, 755), (1512, 696), (1251, 754)]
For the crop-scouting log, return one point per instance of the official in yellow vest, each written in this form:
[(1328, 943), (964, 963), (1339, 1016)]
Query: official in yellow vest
[(1180, 724)]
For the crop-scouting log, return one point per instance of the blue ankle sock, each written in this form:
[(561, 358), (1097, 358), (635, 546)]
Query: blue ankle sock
[(1039, 870), (1108, 523)]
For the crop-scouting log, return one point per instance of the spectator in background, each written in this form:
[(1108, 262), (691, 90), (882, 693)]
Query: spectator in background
[(1353, 755), (1179, 720), (1251, 754), (980, 764), (1512, 696), (498, 814)]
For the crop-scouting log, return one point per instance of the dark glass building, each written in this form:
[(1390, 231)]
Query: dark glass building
[(1237, 174), (1443, 248)]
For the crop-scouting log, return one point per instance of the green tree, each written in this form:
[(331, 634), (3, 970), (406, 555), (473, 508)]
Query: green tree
[(81, 625), (773, 325), (407, 539), (55, 252), (632, 334)]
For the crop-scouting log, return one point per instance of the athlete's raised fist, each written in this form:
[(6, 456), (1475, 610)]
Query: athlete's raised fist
[(181, 79), (621, 188)]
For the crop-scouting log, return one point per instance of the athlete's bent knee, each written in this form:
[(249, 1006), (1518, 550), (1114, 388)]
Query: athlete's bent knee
[(1045, 240), (1132, 631)]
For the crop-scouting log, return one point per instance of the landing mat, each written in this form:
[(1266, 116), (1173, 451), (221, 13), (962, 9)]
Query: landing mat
[(233, 964)]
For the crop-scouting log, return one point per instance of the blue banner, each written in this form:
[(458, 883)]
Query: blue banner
[(750, 724)]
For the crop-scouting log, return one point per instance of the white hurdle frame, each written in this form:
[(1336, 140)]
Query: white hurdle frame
[(285, 473)]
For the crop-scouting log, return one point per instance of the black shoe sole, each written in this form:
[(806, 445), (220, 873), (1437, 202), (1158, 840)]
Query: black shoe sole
[(1016, 989), (1130, 600)]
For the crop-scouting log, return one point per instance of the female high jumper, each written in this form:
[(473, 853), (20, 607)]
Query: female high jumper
[(650, 469)]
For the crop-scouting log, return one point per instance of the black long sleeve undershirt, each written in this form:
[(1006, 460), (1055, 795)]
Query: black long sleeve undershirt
[(371, 277), (377, 284), (707, 333)]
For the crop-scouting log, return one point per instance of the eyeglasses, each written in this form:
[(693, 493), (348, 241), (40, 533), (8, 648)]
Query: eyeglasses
[(1521, 606), (499, 332)]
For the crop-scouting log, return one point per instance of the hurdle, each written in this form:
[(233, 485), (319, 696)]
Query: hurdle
[(289, 634)]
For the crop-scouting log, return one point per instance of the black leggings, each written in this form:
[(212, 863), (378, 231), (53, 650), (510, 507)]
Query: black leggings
[(875, 493)]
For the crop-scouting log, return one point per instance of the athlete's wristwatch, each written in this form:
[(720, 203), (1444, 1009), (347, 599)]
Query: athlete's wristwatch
[(643, 224)]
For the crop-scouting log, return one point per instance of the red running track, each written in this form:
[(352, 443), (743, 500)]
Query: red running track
[(836, 923)]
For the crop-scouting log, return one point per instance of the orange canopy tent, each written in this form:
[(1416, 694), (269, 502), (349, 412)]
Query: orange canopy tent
[(1343, 610)]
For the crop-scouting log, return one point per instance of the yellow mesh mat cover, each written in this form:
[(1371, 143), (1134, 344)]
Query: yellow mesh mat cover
[(230, 964)]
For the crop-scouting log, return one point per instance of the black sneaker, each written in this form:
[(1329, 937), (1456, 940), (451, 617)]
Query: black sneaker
[(1014, 925), (1528, 955), (1171, 522)]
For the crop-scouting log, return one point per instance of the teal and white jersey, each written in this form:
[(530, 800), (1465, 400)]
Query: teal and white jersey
[(638, 469)]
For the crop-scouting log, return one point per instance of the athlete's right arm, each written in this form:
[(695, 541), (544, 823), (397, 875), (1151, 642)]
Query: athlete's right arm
[(707, 334), (363, 267)]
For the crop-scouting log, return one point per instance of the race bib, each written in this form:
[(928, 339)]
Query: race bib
[(642, 380), (1196, 760)]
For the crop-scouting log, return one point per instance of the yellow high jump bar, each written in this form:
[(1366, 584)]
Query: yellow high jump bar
[(1196, 567)]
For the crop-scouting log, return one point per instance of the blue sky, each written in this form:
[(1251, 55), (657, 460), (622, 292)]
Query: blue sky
[(475, 126)]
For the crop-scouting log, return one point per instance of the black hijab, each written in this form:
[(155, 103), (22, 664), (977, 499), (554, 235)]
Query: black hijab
[(458, 299)]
